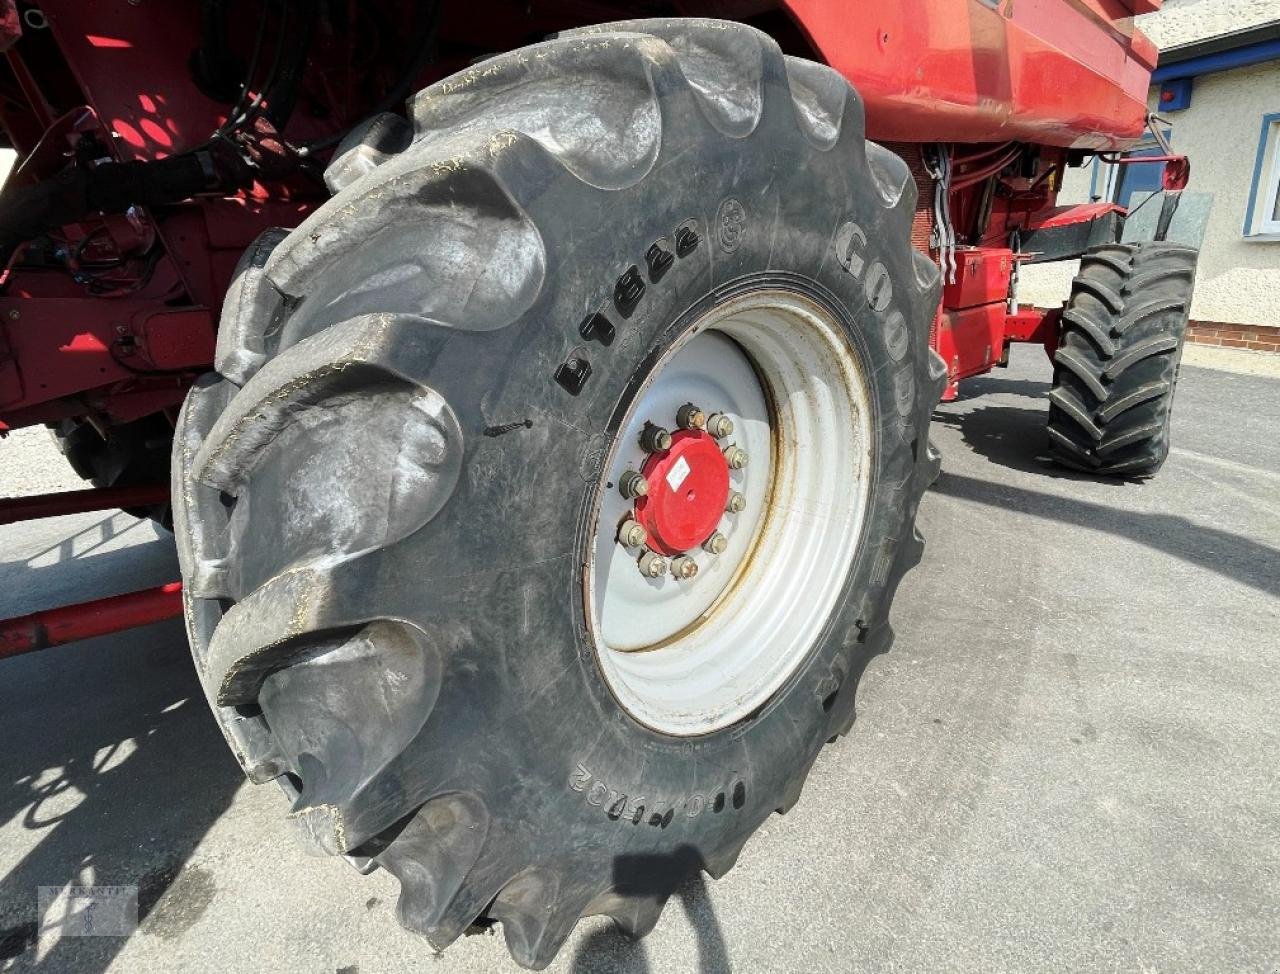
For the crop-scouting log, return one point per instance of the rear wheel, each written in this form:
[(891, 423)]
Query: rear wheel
[(1116, 366), (560, 474), (132, 454)]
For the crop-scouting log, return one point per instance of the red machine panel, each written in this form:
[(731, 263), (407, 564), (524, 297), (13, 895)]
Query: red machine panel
[(970, 341), (1057, 72), (124, 358), (982, 276)]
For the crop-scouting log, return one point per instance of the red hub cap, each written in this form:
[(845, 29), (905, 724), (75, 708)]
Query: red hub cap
[(688, 488)]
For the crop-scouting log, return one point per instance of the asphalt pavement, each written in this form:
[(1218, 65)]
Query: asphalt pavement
[(1068, 762)]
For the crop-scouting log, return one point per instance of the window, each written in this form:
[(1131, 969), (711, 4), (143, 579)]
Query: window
[(1139, 177), (1119, 183), (1262, 216)]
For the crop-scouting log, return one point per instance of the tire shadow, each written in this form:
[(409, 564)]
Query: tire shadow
[(998, 382), (609, 951), (1242, 559), (1008, 436)]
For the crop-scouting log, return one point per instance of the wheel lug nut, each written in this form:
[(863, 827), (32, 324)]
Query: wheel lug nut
[(632, 535), (720, 426), (654, 439), (684, 567), (632, 484), (716, 543), (736, 457), (652, 565), (736, 503), (690, 417)]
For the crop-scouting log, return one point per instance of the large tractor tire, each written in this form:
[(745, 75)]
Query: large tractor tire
[(415, 590), (1116, 366)]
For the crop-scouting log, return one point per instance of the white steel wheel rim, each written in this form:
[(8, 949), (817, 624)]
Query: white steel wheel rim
[(688, 657)]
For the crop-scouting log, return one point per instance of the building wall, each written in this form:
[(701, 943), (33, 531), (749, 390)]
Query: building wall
[(1185, 21), (1238, 279)]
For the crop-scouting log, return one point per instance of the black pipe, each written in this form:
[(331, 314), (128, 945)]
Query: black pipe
[(112, 187)]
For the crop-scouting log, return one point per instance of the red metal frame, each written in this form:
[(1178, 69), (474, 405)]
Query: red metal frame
[(1177, 169), (16, 509)]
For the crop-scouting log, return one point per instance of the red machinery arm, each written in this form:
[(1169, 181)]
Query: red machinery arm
[(53, 627)]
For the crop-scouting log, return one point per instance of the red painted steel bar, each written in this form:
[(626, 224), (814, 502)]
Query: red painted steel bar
[(77, 501), (53, 627)]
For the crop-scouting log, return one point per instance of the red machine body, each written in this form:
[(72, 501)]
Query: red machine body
[(121, 315), (108, 317), (1054, 72)]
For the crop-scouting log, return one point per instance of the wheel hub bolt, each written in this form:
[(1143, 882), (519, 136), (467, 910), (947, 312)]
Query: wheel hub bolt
[(632, 485), (736, 503), (632, 535), (684, 567), (690, 417), (654, 439), (720, 426), (652, 565), (735, 456), (716, 543)]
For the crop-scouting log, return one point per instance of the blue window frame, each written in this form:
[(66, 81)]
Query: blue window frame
[(1262, 212)]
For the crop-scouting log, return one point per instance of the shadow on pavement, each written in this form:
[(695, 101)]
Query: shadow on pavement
[(998, 382), (609, 950), (1011, 436), (1232, 555), (116, 553), (1014, 437), (89, 539), (112, 768)]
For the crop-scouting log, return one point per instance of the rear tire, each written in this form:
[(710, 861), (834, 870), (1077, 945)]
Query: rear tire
[(388, 502), (1116, 367), (133, 454)]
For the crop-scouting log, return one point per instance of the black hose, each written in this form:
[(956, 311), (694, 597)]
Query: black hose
[(424, 38), (238, 107), (28, 211), (268, 83)]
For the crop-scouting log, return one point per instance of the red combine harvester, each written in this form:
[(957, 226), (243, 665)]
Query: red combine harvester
[(543, 448)]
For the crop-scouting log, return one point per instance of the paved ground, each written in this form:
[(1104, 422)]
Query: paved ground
[(1069, 761)]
